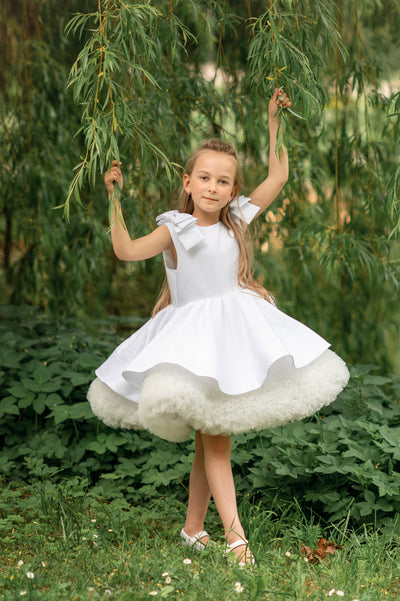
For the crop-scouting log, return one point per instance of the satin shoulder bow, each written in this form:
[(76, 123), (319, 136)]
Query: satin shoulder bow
[(242, 208), (185, 227)]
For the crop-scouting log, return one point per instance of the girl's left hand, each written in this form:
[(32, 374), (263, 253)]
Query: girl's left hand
[(278, 99)]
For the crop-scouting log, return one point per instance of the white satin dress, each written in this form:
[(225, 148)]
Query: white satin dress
[(219, 359)]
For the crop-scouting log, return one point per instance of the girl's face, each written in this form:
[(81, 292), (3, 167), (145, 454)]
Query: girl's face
[(211, 183)]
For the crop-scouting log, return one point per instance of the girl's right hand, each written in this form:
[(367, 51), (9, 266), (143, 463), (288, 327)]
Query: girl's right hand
[(113, 175)]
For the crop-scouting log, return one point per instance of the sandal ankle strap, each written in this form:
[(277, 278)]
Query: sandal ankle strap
[(200, 535), (194, 541), (238, 543)]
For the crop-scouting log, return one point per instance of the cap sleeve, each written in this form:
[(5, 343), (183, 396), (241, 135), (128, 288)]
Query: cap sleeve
[(184, 226), (242, 209)]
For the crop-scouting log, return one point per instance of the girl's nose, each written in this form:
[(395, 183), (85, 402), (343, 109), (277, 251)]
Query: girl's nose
[(211, 185)]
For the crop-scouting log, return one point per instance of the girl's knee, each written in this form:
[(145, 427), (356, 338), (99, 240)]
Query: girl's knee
[(218, 445)]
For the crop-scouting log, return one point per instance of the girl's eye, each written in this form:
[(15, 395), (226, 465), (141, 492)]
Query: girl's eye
[(203, 177), (222, 181)]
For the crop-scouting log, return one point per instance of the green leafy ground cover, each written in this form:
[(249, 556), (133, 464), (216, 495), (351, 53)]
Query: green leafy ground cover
[(344, 461), (60, 542)]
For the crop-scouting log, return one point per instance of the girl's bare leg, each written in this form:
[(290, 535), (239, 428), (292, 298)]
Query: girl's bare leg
[(212, 474), (217, 463), (218, 470), (199, 492)]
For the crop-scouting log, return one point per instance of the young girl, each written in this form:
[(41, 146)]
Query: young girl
[(217, 356)]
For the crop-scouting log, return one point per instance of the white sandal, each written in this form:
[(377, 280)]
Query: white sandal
[(194, 541), (235, 545)]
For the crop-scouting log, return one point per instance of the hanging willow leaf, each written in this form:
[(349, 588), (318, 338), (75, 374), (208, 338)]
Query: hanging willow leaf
[(167, 75), (109, 80), (280, 52)]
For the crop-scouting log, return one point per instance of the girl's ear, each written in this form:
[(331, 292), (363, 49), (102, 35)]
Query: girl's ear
[(186, 183), (234, 192)]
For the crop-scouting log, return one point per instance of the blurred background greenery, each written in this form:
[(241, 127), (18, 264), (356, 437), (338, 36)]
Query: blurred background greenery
[(84, 82), (151, 80)]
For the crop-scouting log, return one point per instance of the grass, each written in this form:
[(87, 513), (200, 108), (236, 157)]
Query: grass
[(79, 548)]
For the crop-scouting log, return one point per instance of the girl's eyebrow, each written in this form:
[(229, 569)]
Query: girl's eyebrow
[(208, 173)]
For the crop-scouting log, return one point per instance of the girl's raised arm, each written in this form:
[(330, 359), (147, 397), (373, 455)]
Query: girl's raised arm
[(278, 170), (125, 248)]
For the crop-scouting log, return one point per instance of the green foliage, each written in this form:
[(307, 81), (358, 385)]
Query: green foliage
[(346, 461), (79, 547), (44, 262), (110, 76), (289, 48), (171, 74)]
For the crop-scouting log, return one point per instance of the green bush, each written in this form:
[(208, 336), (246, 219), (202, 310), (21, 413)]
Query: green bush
[(346, 459)]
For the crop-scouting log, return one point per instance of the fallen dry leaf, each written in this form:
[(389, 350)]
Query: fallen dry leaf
[(324, 548)]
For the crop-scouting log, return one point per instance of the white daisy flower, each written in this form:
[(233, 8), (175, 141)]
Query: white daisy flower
[(340, 593), (164, 574), (238, 587), (187, 561), (168, 579), (44, 564), (153, 593), (288, 553), (20, 563), (30, 575), (108, 592), (22, 593), (331, 592)]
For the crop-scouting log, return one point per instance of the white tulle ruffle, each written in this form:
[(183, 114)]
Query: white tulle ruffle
[(173, 401)]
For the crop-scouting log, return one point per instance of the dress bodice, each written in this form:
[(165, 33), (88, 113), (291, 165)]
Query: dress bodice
[(207, 257), (208, 269)]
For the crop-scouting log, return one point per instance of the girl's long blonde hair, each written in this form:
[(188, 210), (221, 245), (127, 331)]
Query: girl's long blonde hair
[(185, 205)]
